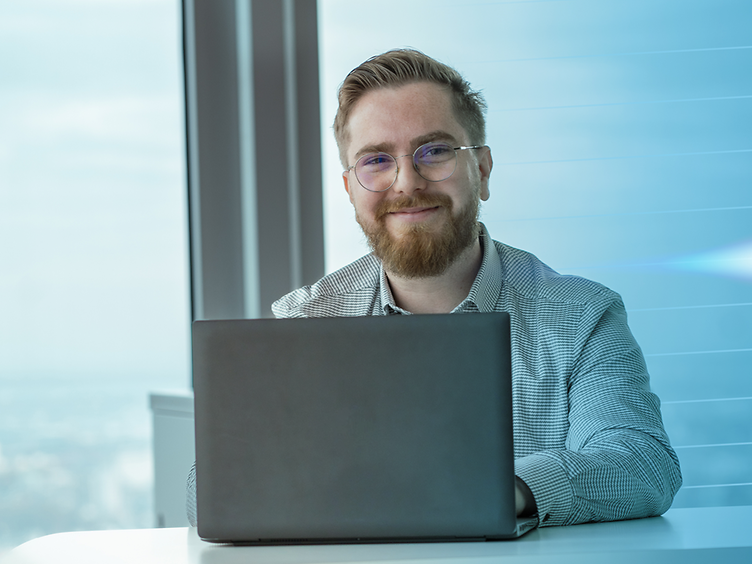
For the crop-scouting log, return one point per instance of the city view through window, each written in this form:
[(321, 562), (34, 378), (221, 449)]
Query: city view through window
[(93, 248)]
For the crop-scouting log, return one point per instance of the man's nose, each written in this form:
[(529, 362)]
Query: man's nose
[(408, 180)]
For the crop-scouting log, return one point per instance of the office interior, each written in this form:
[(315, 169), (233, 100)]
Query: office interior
[(164, 161)]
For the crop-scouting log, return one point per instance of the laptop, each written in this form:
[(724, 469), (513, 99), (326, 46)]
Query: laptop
[(355, 430)]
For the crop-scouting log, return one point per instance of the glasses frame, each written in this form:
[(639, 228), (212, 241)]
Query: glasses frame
[(415, 164)]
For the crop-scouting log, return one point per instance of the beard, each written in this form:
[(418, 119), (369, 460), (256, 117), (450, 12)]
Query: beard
[(420, 251)]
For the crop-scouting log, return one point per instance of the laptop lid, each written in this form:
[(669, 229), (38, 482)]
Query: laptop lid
[(362, 429)]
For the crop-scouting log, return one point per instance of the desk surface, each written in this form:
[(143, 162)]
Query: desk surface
[(714, 534)]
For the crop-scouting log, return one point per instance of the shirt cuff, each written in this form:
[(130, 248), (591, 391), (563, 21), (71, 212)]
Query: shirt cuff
[(550, 486)]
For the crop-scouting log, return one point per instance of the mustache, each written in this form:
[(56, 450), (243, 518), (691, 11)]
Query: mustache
[(416, 201)]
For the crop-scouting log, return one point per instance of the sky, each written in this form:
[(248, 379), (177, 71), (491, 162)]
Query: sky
[(92, 190)]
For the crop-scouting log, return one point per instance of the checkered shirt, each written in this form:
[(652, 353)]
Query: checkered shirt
[(588, 435)]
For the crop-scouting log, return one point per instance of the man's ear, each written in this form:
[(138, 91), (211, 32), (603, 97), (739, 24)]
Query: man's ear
[(485, 164), (346, 180)]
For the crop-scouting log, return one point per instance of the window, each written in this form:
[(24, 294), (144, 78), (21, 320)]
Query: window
[(93, 247), (622, 154)]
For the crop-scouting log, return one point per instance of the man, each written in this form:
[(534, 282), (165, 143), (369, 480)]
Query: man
[(589, 439)]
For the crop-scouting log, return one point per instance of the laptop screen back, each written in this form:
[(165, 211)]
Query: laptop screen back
[(354, 429)]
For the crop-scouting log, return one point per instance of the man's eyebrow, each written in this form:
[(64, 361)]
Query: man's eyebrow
[(378, 148), (437, 135), (416, 142)]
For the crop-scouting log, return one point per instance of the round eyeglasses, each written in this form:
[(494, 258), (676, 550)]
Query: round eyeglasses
[(377, 172)]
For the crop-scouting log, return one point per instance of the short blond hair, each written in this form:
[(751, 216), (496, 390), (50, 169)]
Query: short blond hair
[(405, 66)]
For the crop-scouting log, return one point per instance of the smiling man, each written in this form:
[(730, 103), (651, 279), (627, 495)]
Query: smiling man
[(420, 217), (589, 439), (588, 434)]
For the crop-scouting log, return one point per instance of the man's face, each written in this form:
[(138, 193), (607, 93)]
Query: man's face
[(417, 227)]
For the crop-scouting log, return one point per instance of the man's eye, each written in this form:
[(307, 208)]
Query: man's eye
[(376, 160), (436, 152)]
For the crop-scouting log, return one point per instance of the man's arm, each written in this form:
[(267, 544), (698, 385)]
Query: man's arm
[(616, 462)]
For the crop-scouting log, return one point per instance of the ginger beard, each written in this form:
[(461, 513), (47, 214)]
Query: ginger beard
[(421, 251)]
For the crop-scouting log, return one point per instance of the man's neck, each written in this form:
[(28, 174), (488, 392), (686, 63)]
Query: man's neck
[(438, 294)]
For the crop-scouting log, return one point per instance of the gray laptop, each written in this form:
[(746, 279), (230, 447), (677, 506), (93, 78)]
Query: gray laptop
[(360, 429)]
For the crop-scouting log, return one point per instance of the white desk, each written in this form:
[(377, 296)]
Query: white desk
[(685, 536)]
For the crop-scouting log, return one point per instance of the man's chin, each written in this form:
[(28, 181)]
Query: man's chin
[(418, 250)]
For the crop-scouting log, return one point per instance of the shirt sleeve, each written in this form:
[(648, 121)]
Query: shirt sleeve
[(616, 462), (190, 497)]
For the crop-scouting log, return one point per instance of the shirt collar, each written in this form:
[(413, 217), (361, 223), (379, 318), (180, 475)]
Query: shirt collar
[(388, 307), (483, 293)]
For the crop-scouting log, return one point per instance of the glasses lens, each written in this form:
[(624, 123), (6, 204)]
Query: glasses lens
[(376, 171), (435, 161)]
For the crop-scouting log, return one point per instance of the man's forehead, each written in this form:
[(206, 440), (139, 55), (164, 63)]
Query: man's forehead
[(391, 118)]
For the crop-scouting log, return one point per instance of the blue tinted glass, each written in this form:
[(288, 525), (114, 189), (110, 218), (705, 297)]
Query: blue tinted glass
[(93, 254), (622, 153), (434, 153)]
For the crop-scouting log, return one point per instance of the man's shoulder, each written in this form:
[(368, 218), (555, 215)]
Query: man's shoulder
[(530, 277), (348, 291)]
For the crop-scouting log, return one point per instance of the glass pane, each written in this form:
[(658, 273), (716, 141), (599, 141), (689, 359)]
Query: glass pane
[(622, 153), (94, 309)]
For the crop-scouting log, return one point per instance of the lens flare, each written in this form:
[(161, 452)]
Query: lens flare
[(734, 261)]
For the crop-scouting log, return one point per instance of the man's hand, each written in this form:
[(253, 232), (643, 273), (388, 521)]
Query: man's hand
[(524, 501)]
